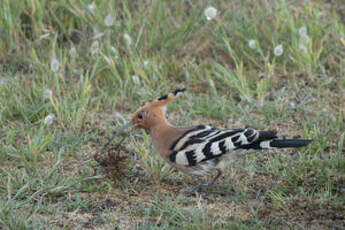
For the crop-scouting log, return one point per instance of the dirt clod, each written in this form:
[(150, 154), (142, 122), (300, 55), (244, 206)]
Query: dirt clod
[(113, 162)]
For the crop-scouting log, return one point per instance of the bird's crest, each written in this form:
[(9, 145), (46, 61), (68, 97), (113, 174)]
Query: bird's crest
[(165, 99)]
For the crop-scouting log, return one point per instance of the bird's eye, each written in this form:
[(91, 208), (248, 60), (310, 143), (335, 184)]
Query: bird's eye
[(140, 116)]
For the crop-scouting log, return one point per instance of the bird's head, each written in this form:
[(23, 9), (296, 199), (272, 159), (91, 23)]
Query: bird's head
[(146, 117), (153, 112)]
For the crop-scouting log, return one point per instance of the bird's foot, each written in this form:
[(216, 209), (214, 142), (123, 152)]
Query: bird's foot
[(197, 188), (193, 191)]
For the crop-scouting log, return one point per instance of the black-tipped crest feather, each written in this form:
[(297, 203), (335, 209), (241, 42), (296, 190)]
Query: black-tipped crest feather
[(171, 95), (178, 91), (164, 97)]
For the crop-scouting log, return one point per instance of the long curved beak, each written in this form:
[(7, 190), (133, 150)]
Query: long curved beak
[(121, 130)]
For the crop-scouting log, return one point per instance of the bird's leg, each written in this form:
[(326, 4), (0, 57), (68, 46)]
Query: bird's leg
[(219, 173), (190, 192), (199, 186)]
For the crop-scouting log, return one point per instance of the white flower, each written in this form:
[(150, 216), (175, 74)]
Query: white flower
[(211, 82), (146, 62), (278, 50), (78, 71), (112, 48), (120, 118), (44, 36), (252, 44), (96, 33), (47, 93), (302, 48), (49, 119), (302, 31), (94, 47), (127, 38), (91, 7), (305, 38), (210, 12), (73, 52), (108, 60), (2, 81), (54, 64), (136, 79), (109, 20)]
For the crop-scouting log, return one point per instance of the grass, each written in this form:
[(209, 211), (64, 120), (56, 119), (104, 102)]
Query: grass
[(69, 60)]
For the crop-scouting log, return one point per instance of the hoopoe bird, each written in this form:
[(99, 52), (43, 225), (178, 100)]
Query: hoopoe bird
[(201, 149)]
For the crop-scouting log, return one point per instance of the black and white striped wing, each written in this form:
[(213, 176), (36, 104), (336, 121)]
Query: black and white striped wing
[(204, 143)]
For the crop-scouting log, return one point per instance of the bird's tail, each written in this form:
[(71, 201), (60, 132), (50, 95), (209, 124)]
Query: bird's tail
[(268, 140), (289, 143), (283, 143)]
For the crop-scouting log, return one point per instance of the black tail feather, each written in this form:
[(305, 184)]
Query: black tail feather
[(289, 143), (266, 135)]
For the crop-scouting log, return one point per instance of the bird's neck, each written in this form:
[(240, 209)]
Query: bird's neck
[(163, 135)]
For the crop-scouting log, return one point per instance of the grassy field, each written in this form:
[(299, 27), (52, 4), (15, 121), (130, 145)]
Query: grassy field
[(71, 72)]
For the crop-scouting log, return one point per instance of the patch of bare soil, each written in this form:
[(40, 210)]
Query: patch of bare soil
[(113, 162)]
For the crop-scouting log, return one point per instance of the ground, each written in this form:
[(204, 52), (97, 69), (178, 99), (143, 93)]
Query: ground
[(72, 72)]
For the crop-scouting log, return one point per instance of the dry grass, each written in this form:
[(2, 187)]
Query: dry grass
[(52, 174)]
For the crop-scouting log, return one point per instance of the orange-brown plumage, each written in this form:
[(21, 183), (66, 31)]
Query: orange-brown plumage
[(151, 118), (201, 149)]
